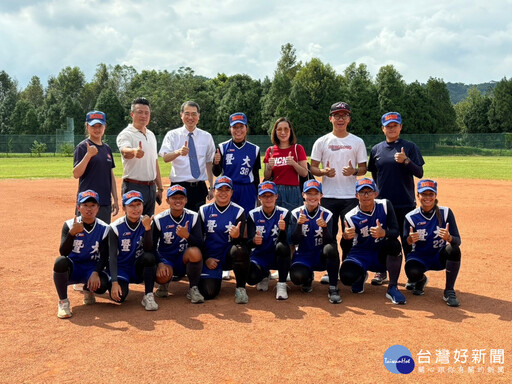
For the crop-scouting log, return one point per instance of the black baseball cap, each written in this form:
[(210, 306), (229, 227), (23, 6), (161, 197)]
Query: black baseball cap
[(339, 107)]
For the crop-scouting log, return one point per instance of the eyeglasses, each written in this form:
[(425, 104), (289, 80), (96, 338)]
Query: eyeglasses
[(340, 117), (191, 114), (365, 193)]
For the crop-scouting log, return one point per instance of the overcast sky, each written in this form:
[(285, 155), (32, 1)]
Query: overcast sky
[(456, 40)]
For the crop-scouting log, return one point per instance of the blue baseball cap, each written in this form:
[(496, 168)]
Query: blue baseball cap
[(95, 117), (427, 185), (312, 184), (267, 186), (237, 117), (130, 196), (86, 195), (174, 189), (223, 181), (365, 182), (391, 117)]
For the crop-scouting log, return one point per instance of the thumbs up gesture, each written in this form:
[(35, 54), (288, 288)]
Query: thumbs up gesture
[(349, 233), (234, 231), (92, 150), (349, 170), (77, 227), (302, 217), (183, 151), (413, 236), (139, 153), (377, 232), (328, 171), (400, 157), (444, 233), (216, 158), (281, 223), (320, 221), (258, 239), (183, 231), (146, 222), (289, 159)]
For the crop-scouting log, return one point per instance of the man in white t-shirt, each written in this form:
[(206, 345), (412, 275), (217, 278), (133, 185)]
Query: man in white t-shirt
[(138, 147), (343, 157)]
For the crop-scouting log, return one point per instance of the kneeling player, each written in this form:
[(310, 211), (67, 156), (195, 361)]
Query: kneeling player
[(311, 231), (84, 254), (266, 231), (177, 241), (130, 246), (373, 228)]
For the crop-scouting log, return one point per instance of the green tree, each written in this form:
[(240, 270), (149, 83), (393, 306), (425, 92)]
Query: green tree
[(8, 99), (475, 114), (444, 117), (417, 112), (390, 88), (109, 103), (500, 111), (24, 118), (34, 92)]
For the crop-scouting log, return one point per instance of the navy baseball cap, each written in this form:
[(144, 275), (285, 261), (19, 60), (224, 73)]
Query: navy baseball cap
[(174, 189), (312, 184), (267, 186), (130, 196), (427, 185), (95, 117), (236, 118), (86, 195), (340, 106), (391, 117), (223, 181), (365, 182)]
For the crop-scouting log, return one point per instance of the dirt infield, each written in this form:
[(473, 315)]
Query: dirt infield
[(304, 339)]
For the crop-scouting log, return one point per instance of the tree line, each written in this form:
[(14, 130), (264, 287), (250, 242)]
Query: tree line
[(303, 92)]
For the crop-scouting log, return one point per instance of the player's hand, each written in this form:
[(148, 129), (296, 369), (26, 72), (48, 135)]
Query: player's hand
[(158, 198), (290, 160), (146, 222), (94, 282), (139, 153), (302, 217), (320, 221), (210, 194), (349, 170), (212, 263), (328, 171), (162, 271), (349, 233), (377, 232), (400, 157), (444, 233), (116, 292), (92, 150), (413, 236), (216, 158), (234, 231), (183, 231), (183, 151), (258, 239), (281, 223), (115, 208), (77, 227)]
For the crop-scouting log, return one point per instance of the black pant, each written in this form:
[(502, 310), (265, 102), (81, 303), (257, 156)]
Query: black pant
[(196, 194)]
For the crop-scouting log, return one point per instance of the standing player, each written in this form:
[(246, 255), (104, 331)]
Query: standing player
[(394, 163), (84, 254), (223, 224), (130, 246), (177, 242), (373, 229), (434, 236), (266, 231), (311, 230)]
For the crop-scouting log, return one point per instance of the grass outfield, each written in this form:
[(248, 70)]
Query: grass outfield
[(457, 167)]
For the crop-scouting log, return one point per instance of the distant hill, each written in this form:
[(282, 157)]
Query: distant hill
[(459, 91)]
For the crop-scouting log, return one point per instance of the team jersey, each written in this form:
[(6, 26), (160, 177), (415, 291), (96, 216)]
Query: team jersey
[(312, 239), (428, 229), (239, 162), (268, 228), (86, 244), (363, 221), (170, 244), (216, 226), (130, 242)]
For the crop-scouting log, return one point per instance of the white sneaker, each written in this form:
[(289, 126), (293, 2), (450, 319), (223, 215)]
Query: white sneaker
[(149, 303), (64, 311), (162, 290), (241, 296), (282, 291), (89, 297), (263, 285), (226, 275), (195, 296)]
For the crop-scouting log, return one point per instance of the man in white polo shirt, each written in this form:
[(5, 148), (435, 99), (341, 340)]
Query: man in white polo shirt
[(138, 148), (191, 151)]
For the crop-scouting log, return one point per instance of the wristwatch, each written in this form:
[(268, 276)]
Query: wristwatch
[(407, 161)]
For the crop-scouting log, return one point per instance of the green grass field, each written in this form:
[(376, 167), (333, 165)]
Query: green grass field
[(458, 167)]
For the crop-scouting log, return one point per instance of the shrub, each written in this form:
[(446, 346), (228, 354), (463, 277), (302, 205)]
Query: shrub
[(38, 148)]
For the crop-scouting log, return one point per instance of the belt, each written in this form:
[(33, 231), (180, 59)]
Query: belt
[(189, 183), (152, 182)]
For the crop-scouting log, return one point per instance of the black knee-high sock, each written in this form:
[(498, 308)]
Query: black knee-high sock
[(194, 272), (61, 284), (452, 270), (393, 265), (149, 279), (333, 266)]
